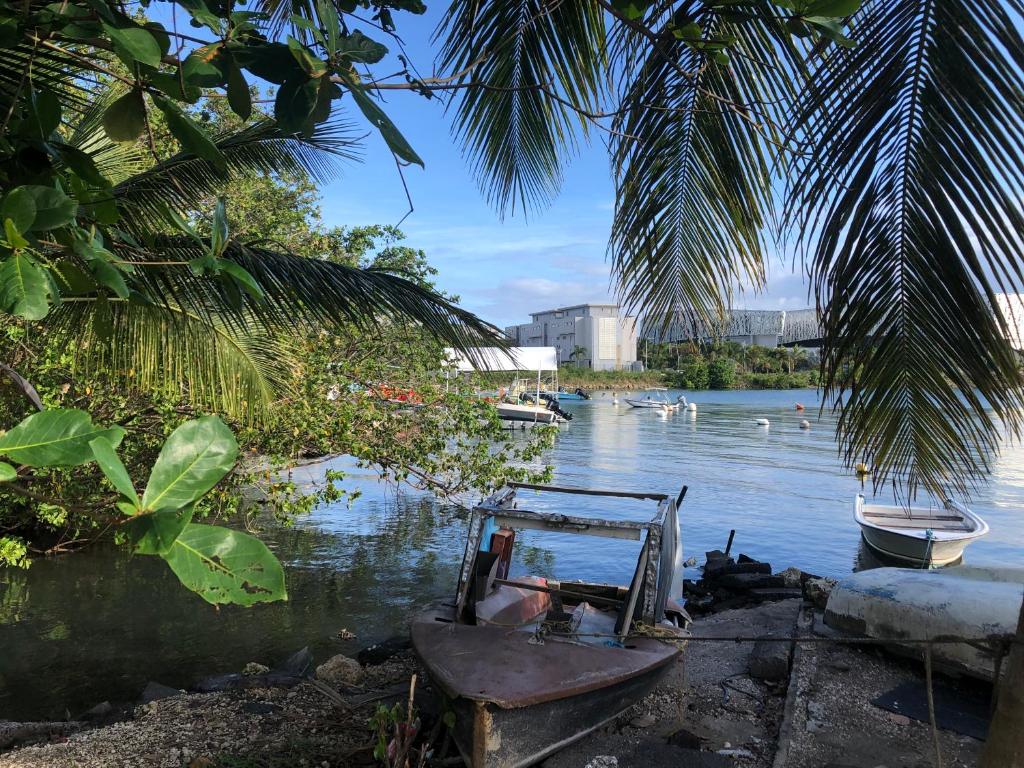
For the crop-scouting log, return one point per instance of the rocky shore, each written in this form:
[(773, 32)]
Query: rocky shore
[(769, 704)]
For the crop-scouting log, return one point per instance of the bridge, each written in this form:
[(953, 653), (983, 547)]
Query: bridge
[(764, 327)]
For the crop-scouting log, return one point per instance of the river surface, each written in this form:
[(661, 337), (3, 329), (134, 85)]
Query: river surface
[(98, 625)]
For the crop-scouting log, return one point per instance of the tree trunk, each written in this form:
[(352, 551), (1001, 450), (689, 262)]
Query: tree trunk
[(1005, 745)]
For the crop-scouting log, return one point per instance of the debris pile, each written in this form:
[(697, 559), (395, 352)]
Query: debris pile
[(728, 582)]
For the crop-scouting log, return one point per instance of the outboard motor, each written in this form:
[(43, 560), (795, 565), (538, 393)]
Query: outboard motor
[(553, 406), (582, 393)]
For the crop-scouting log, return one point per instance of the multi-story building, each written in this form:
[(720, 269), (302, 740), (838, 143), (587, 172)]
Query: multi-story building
[(761, 327), (589, 335)]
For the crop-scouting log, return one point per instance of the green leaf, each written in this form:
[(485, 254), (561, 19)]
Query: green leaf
[(193, 138), (835, 8), (82, 164), (73, 281), (202, 14), (7, 472), (205, 66), (193, 460), (112, 466), (294, 103), (56, 438), (219, 230), (272, 62), (14, 238), (239, 98), (170, 83), (311, 65), (20, 207), (24, 289), (242, 277), (53, 208), (328, 16), (382, 122), (358, 47), (226, 566), (45, 108), (110, 276), (135, 43), (153, 533), (125, 119)]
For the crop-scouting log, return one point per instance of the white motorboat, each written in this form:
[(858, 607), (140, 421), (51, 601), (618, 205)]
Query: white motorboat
[(921, 537), (659, 403), (528, 413)]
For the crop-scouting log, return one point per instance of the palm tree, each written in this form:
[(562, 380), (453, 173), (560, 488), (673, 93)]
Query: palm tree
[(903, 160), (578, 352)]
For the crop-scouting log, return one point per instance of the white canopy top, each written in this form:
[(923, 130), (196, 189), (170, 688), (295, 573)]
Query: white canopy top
[(513, 359)]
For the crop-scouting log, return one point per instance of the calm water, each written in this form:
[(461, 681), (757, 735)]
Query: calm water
[(97, 625)]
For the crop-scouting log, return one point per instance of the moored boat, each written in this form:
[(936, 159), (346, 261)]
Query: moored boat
[(524, 412), (920, 537), (530, 665)]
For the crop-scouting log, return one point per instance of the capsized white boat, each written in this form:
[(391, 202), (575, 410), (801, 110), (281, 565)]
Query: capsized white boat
[(919, 536)]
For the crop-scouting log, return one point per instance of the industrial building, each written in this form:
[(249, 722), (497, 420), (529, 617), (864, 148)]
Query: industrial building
[(593, 336)]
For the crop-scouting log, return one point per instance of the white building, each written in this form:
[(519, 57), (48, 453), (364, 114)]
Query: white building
[(606, 338)]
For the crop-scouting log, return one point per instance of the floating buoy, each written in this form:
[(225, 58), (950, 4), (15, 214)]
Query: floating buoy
[(692, 407), (799, 406), (862, 469), (761, 422), (805, 424)]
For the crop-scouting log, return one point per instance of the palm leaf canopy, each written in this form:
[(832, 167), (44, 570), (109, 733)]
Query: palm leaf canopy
[(910, 206)]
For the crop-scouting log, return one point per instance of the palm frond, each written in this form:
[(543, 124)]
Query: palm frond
[(259, 148), (235, 370), (515, 132), (910, 206), (691, 153)]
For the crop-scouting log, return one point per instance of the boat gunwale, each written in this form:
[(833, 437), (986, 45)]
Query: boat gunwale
[(981, 527)]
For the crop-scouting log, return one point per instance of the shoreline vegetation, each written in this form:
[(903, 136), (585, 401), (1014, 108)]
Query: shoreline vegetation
[(720, 365)]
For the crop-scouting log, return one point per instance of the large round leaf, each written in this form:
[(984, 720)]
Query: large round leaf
[(226, 566), (20, 207), (193, 460), (154, 533), (24, 287), (58, 437), (53, 208), (125, 119)]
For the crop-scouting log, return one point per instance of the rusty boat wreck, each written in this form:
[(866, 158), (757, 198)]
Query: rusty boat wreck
[(529, 665)]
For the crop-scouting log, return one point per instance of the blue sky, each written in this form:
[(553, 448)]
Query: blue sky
[(502, 270)]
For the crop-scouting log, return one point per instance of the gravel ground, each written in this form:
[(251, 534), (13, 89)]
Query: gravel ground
[(254, 728)]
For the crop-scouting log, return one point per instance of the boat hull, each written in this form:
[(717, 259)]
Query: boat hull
[(931, 538), (905, 549), (489, 736)]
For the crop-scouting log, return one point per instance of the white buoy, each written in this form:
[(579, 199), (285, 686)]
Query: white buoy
[(805, 424), (692, 407), (761, 422)]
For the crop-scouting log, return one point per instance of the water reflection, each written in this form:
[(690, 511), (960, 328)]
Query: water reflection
[(77, 630)]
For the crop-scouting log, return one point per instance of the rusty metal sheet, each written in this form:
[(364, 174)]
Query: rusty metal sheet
[(500, 665)]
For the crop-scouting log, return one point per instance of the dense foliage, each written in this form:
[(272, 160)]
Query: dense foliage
[(729, 365)]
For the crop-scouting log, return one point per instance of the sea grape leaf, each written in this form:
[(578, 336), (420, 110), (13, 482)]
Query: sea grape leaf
[(58, 437), (359, 47), (239, 98), (193, 460), (7, 472), (226, 566), (53, 208), (109, 276), (125, 118), (133, 43), (153, 533), (111, 465), (24, 287), (205, 66), (20, 207), (295, 102)]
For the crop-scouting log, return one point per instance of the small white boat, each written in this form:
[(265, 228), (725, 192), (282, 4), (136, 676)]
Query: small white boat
[(922, 537), (659, 403), (527, 413)]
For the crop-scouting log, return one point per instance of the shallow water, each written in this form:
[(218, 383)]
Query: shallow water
[(81, 629)]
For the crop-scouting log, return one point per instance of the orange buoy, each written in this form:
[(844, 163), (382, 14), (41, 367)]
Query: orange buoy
[(799, 406)]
